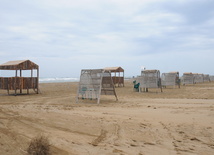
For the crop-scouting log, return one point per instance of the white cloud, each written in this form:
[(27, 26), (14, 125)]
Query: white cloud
[(108, 37), (96, 33), (32, 31)]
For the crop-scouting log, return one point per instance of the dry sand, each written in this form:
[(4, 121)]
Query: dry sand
[(177, 121)]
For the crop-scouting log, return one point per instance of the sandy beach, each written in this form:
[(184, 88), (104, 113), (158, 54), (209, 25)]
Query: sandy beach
[(176, 121)]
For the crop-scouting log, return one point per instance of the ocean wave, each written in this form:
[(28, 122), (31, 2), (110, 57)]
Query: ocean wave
[(57, 79)]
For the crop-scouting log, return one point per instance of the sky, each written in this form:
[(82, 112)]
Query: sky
[(65, 36)]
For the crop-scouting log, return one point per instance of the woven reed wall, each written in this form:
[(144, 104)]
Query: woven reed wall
[(169, 79), (12, 83), (188, 79)]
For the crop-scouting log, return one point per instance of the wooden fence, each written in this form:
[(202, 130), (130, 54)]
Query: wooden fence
[(13, 83), (118, 81)]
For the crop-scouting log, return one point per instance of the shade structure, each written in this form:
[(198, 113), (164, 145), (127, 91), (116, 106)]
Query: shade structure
[(187, 78), (170, 79), (94, 83), (211, 78), (206, 78), (18, 82), (198, 78), (149, 79), (117, 74)]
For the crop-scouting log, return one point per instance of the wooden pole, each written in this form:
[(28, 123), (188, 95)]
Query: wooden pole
[(113, 88), (101, 80), (8, 88), (119, 82), (115, 82), (31, 81), (28, 85), (37, 80), (15, 82), (21, 81)]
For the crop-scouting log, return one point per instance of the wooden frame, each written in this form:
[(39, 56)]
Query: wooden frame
[(198, 78), (94, 83), (116, 72), (170, 79), (187, 78), (149, 79), (19, 82)]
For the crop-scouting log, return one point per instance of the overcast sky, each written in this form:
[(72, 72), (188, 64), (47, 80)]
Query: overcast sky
[(65, 36)]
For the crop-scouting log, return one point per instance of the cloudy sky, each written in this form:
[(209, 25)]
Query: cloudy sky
[(65, 36)]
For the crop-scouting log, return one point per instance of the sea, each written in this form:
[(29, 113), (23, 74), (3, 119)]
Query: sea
[(57, 79), (62, 79)]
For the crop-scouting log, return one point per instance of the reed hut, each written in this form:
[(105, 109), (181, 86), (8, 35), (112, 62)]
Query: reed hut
[(198, 78), (117, 74), (170, 79), (94, 83), (211, 78), (18, 82), (149, 79), (187, 78), (206, 78)]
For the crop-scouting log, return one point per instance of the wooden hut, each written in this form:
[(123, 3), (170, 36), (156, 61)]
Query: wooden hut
[(206, 78), (94, 83), (198, 78), (149, 79), (187, 78), (18, 82), (117, 75), (211, 78), (170, 79)]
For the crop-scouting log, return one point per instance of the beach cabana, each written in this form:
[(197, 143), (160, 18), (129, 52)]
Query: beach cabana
[(117, 74), (198, 78), (18, 82), (211, 78), (187, 78), (149, 79), (170, 79), (206, 78), (94, 83)]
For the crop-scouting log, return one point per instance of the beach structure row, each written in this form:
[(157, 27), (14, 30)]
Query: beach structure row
[(153, 79), (18, 83), (193, 78), (96, 82)]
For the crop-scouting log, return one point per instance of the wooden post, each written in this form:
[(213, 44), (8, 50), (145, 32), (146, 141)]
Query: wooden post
[(114, 81), (179, 82), (8, 88), (37, 80), (30, 82), (101, 80), (15, 83), (160, 85), (114, 88), (28, 85), (21, 81), (31, 72)]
